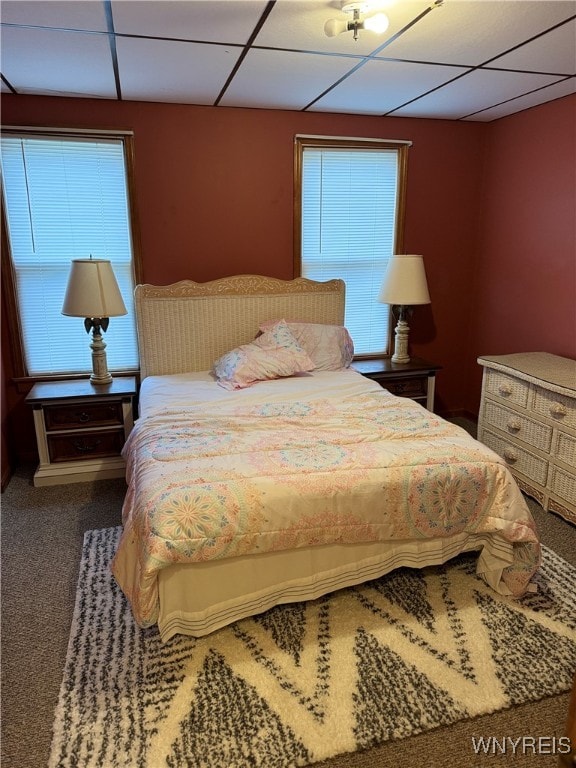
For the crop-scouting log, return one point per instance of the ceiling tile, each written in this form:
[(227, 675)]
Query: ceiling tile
[(63, 63), (299, 25), (160, 70), (226, 21), (380, 86), (62, 14), (553, 52), (283, 80), (470, 32), (550, 93), (292, 61), (480, 89)]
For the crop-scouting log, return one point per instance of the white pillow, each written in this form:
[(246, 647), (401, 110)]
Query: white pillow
[(273, 355), (330, 347)]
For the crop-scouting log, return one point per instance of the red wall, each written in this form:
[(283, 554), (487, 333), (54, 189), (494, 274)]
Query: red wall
[(525, 286), (214, 194)]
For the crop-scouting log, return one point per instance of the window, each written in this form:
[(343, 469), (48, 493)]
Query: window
[(65, 196), (348, 223)]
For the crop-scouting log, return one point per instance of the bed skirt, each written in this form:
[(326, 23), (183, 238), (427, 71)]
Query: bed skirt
[(200, 598)]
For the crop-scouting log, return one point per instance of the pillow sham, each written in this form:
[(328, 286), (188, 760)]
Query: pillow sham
[(330, 347), (273, 355)]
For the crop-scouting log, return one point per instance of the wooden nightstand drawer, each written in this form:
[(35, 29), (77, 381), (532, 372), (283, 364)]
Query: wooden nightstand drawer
[(417, 387), (414, 379), (85, 445), (81, 428), (82, 415)]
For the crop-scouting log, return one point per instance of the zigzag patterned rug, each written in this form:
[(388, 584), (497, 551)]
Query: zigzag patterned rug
[(303, 682)]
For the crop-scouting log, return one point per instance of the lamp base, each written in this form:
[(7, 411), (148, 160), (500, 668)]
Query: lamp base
[(100, 372), (94, 379), (401, 345)]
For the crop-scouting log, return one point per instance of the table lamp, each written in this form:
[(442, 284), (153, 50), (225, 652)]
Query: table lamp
[(404, 285), (93, 293)]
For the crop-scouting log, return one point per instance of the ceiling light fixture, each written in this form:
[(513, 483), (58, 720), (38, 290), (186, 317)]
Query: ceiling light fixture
[(377, 23)]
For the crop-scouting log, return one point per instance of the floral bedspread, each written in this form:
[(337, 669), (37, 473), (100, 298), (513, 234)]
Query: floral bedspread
[(249, 477)]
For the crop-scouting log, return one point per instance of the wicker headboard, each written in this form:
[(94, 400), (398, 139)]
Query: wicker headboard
[(187, 326)]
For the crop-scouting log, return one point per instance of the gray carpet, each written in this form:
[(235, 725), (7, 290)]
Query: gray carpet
[(42, 534)]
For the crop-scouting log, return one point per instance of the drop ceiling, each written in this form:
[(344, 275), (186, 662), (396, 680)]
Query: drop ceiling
[(476, 60)]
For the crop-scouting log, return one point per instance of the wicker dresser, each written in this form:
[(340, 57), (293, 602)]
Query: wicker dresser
[(528, 416)]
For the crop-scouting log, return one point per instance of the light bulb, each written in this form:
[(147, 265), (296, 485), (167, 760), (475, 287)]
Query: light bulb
[(378, 23), (334, 27)]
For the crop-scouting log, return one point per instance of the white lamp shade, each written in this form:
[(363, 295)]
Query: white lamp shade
[(92, 290), (405, 281)]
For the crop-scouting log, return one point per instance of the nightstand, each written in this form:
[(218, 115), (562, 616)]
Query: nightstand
[(81, 429), (415, 379)]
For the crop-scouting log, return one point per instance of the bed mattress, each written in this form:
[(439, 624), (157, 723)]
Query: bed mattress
[(294, 487)]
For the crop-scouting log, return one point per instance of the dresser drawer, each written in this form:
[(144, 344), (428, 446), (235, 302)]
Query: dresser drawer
[(566, 449), (85, 445), (517, 458), (507, 387), (80, 415), (528, 416), (563, 484), (559, 408), (525, 429)]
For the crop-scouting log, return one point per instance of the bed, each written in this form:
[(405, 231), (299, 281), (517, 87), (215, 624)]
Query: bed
[(244, 497)]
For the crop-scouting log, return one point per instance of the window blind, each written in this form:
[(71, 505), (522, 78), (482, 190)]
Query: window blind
[(66, 198), (349, 217)]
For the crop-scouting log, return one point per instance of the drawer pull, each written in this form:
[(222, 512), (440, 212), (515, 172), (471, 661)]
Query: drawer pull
[(558, 410), (514, 425), (505, 390), (510, 455), (86, 447), (84, 417)]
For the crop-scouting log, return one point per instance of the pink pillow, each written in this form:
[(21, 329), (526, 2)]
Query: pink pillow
[(330, 347), (273, 355)]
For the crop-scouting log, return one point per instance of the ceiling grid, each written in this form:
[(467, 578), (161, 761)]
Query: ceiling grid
[(473, 60)]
